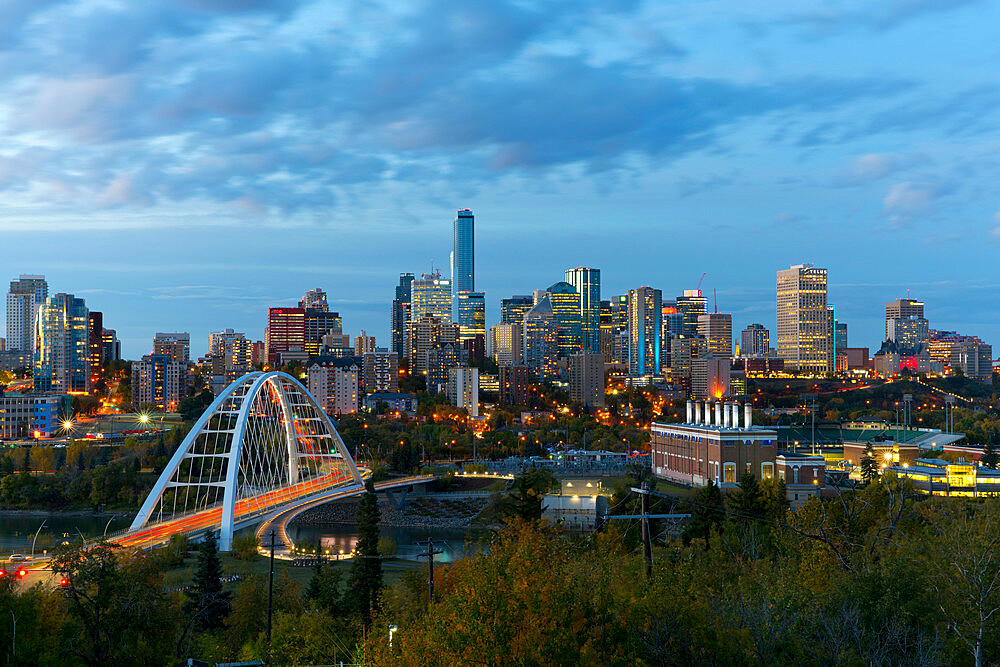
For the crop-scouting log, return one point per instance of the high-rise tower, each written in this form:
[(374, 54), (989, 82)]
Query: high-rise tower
[(587, 282), (805, 324), (401, 314), (645, 310), (463, 253), (900, 309), (26, 296), (62, 350)]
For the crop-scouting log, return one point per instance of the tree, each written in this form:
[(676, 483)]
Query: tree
[(208, 604), (324, 587), (191, 408), (26, 463), (115, 599), (366, 569), (869, 464), (524, 500), (990, 457), (708, 510), (748, 502)]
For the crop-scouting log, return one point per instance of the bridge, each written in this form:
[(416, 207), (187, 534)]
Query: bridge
[(264, 447)]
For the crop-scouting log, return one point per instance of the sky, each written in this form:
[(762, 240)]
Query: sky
[(184, 165)]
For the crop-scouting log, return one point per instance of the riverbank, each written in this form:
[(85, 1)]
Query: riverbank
[(67, 513), (418, 513)]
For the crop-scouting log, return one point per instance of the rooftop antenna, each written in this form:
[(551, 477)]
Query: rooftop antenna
[(715, 298)]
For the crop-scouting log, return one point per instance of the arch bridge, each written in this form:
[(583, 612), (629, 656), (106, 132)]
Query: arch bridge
[(262, 445)]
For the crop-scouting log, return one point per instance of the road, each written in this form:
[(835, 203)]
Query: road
[(279, 521)]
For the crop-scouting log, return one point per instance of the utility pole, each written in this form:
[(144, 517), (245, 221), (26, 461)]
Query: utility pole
[(647, 547), (270, 595), (429, 555)]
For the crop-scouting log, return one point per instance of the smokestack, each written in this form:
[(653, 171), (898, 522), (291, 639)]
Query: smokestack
[(718, 414), (725, 415), (736, 414), (689, 411), (747, 415)]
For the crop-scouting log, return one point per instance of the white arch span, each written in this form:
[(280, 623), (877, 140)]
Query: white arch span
[(264, 441)]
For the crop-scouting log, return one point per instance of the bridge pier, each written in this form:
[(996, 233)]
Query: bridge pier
[(398, 506)]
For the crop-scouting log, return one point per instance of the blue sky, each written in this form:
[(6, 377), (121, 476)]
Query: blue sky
[(183, 165)]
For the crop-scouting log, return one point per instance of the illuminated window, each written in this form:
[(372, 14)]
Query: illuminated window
[(729, 473)]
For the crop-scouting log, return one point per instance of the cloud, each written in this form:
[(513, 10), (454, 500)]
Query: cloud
[(836, 18), (875, 166), (907, 200)]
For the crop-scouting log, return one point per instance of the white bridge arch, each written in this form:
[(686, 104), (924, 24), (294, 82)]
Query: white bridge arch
[(263, 443)]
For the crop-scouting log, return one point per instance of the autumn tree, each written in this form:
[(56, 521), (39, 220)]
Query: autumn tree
[(365, 581)]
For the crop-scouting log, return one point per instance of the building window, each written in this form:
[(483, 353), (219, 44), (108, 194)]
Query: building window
[(766, 470), (729, 473)]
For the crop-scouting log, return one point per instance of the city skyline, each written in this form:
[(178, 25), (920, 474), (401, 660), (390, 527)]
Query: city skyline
[(197, 186)]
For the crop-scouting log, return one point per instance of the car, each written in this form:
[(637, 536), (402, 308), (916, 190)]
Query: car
[(17, 558)]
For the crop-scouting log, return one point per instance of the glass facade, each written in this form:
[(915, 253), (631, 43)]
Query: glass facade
[(471, 310), (587, 283), (62, 350), (430, 295), (565, 302), (805, 324), (463, 254), (692, 304), (512, 310), (645, 310), (401, 314), (541, 343)]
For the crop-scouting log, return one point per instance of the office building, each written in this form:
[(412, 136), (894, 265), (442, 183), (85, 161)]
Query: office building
[(463, 254), (710, 377), (62, 349), (644, 312), (973, 357), (541, 341), (608, 331), (401, 314), (381, 371), (318, 324), (334, 383), (363, 344), (512, 310), (426, 332), (314, 299), (177, 346), (586, 379), (463, 389), (441, 358), (516, 383), (470, 313), (565, 304), (805, 324), (32, 415), (112, 347), (506, 344), (285, 335), (95, 348), (691, 303), (684, 350), (587, 283), (909, 331), (157, 381), (26, 296), (717, 330), (839, 335), (619, 312), (755, 341), (902, 309), (430, 295), (671, 324)]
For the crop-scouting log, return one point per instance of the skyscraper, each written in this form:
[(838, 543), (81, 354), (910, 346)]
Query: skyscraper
[(62, 349), (755, 341), (586, 379), (645, 309), (908, 331), (512, 310), (839, 335), (471, 310), (900, 309), (541, 342), (717, 330), (157, 380), (671, 324), (463, 254), (26, 296), (692, 304), (285, 335), (565, 304), (401, 314), (430, 295), (315, 299), (587, 283), (317, 323), (805, 325), (95, 347), (506, 343), (426, 332)]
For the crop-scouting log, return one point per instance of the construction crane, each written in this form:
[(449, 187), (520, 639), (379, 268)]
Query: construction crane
[(702, 278)]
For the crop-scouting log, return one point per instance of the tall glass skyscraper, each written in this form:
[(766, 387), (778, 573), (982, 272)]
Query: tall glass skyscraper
[(26, 295), (62, 353), (645, 310), (471, 307), (587, 282), (463, 253), (401, 314), (566, 312)]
